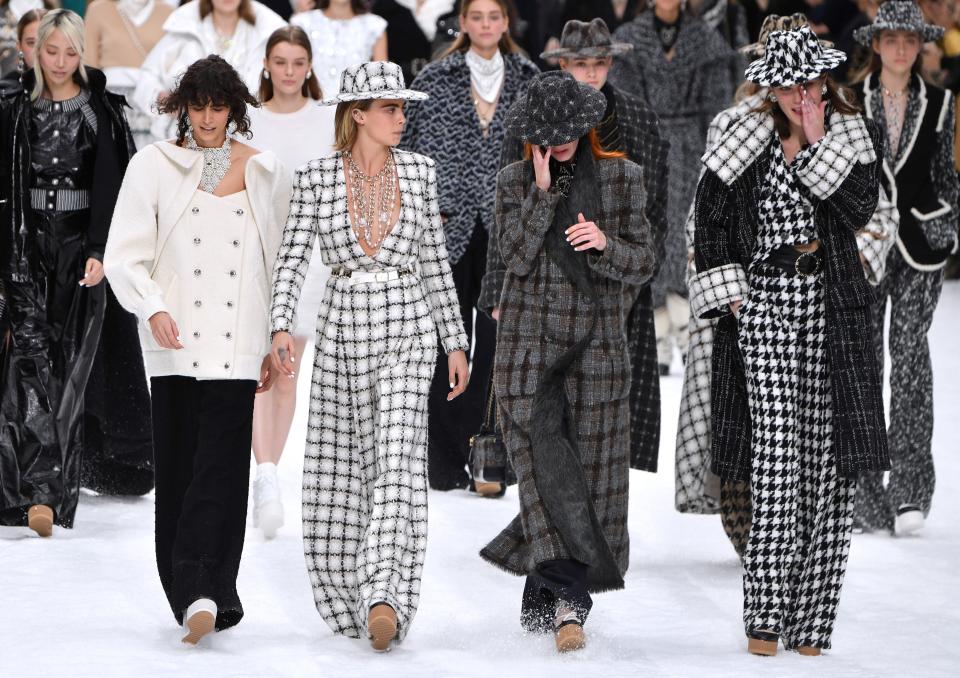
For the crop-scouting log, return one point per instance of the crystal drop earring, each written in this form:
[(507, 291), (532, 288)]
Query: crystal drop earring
[(231, 128)]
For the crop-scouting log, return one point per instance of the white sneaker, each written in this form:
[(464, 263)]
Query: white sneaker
[(908, 521), (267, 507), (199, 620)]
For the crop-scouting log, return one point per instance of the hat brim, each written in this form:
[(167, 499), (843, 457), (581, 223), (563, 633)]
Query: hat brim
[(755, 50), (768, 75), (517, 122), (928, 32), (611, 50), (404, 94)]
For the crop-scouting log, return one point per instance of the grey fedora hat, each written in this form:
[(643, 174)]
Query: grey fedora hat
[(582, 39), (555, 110), (373, 80), (793, 58), (898, 15)]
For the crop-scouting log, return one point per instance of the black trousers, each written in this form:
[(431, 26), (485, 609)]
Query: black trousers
[(553, 581), (201, 441), (452, 423)]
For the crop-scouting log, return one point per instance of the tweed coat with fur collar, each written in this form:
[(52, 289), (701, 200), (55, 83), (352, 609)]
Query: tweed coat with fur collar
[(542, 316), (841, 178)]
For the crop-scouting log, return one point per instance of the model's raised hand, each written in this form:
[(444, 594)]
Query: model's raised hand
[(812, 117), (541, 168), (586, 234)]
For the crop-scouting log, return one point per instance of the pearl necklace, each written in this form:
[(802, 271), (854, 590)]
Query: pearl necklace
[(216, 162), (372, 210)]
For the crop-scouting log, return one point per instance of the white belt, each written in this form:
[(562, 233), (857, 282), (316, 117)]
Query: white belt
[(367, 277)]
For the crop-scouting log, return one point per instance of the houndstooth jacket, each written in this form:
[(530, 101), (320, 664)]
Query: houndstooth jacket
[(538, 309), (318, 208), (841, 175)]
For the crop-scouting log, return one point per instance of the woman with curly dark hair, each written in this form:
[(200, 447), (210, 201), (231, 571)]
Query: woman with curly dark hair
[(194, 236)]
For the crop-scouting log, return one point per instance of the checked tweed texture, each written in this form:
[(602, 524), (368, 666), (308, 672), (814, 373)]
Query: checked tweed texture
[(365, 472), (799, 542)]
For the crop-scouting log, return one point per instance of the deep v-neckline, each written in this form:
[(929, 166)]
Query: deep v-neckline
[(348, 223)]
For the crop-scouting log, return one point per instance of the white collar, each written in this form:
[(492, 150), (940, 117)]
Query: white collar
[(137, 11), (486, 75), (21, 7), (748, 137), (426, 14)]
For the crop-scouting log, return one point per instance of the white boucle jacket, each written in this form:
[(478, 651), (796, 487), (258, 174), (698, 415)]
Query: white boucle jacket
[(222, 315)]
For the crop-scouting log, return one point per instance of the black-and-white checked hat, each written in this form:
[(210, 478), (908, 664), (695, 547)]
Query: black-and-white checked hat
[(555, 110), (899, 15), (373, 80), (792, 58)]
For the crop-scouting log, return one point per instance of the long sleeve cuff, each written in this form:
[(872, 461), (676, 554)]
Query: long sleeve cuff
[(150, 306), (712, 292), (490, 289), (823, 166)]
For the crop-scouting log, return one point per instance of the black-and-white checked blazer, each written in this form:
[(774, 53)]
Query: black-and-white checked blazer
[(318, 208)]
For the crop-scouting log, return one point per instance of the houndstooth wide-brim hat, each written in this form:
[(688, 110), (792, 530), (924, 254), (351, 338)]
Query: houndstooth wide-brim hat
[(898, 15), (792, 58), (775, 22), (555, 110), (373, 80), (587, 39)]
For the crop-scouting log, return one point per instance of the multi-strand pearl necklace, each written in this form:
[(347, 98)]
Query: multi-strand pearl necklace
[(374, 198)]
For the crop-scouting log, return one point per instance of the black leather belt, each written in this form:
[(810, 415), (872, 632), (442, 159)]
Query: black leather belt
[(789, 259)]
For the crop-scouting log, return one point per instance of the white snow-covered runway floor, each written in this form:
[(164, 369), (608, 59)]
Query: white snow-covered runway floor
[(88, 602)]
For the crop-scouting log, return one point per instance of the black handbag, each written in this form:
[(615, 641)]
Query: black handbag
[(488, 460)]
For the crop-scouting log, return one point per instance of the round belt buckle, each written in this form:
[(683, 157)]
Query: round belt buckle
[(807, 269)]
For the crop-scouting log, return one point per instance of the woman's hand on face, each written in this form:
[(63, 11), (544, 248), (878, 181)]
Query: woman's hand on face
[(266, 375), (541, 168), (165, 331), (586, 234), (282, 354), (812, 117), (459, 374), (92, 273)]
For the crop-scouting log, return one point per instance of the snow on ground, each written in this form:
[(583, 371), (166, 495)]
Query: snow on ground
[(88, 602)]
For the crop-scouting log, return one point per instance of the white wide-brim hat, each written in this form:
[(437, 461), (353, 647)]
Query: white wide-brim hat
[(793, 58), (373, 80)]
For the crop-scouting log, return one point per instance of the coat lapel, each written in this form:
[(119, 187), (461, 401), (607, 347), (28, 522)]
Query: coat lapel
[(190, 165)]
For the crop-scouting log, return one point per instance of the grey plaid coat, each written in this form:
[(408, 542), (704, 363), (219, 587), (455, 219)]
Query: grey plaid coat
[(641, 141), (842, 179), (542, 317)]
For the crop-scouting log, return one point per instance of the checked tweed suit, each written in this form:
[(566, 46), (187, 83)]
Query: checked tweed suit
[(541, 317), (365, 473)]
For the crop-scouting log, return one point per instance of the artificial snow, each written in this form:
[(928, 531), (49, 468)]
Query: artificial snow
[(88, 601)]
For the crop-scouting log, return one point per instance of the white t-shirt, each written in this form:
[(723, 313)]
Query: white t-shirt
[(296, 139)]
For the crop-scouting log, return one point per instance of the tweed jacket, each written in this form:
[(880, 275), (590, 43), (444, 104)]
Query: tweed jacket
[(685, 92), (541, 315), (841, 175), (445, 127), (920, 175), (318, 209)]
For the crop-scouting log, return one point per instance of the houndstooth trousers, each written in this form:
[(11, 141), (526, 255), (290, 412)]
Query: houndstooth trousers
[(913, 298), (365, 472), (799, 541)]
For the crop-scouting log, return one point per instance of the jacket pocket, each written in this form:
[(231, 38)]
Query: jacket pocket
[(937, 222), (603, 375)]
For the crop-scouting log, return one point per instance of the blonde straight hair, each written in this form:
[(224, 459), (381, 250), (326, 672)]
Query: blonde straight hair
[(345, 126), (71, 25)]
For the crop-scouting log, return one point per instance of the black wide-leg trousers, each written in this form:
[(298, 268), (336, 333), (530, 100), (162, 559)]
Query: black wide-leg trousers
[(452, 424), (201, 439)]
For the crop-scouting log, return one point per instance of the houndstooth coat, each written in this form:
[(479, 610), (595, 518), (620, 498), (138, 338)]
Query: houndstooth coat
[(641, 141), (542, 317), (685, 92), (842, 178)]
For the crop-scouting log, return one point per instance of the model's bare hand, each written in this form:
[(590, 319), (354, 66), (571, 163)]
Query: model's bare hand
[(165, 331), (541, 168), (586, 234), (735, 306), (92, 273), (459, 374), (266, 375), (283, 354), (812, 117), (495, 313)]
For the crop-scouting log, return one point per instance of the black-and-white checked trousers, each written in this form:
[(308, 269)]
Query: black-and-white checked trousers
[(799, 541)]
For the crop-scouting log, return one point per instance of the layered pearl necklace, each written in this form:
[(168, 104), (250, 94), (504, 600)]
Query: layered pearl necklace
[(216, 162), (895, 112), (374, 198)]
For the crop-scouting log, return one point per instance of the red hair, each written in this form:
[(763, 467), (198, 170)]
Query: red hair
[(599, 152)]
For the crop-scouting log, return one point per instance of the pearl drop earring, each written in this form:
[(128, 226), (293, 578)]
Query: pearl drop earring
[(772, 97), (823, 90), (309, 75), (266, 74)]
